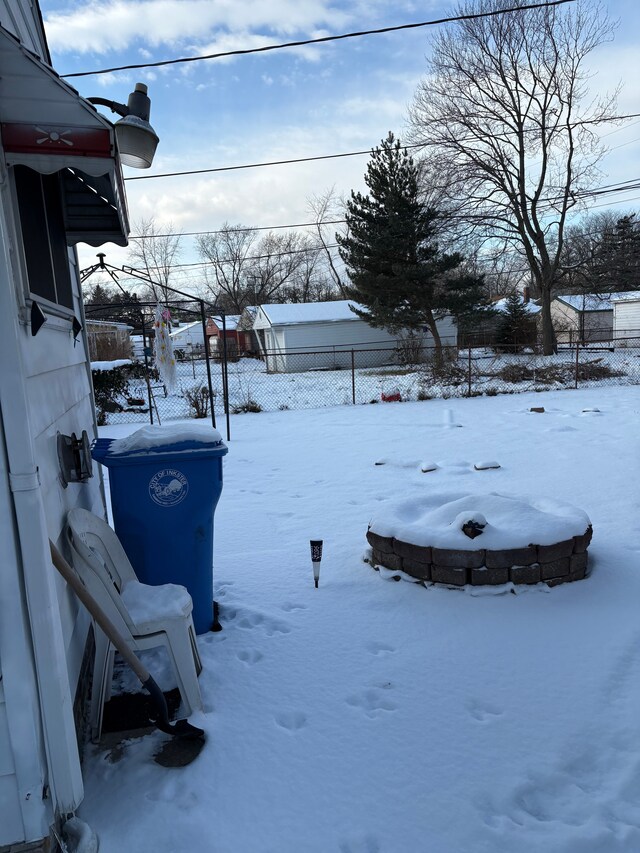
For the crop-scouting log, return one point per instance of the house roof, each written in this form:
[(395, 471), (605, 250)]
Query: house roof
[(592, 301), (530, 307), (188, 327), (630, 296), (310, 312), (231, 322)]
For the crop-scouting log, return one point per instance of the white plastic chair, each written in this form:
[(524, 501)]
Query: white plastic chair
[(147, 616)]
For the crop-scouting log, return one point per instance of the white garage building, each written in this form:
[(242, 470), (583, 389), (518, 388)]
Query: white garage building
[(626, 319), (328, 336)]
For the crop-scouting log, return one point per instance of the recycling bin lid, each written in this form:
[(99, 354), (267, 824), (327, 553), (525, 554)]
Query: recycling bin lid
[(156, 441)]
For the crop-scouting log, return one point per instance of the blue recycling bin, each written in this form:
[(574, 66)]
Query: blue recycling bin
[(163, 500)]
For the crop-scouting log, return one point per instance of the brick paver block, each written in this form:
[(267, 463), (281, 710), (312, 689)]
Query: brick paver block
[(389, 561), (380, 543), (554, 569), (489, 576), (449, 574), (548, 553), (511, 557), (458, 558), (420, 553), (525, 574), (581, 543), (578, 562), (421, 571)]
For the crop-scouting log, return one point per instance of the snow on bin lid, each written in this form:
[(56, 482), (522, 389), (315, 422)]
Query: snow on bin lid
[(176, 437), (513, 521)]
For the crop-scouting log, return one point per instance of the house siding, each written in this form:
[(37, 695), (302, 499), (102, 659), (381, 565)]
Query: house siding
[(296, 347), (626, 323), (45, 389), (571, 324), (23, 20)]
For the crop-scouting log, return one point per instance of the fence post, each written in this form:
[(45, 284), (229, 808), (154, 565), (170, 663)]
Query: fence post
[(205, 340), (577, 360), (469, 373), (353, 377), (146, 368)]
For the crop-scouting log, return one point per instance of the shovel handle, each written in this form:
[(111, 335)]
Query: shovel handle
[(98, 613)]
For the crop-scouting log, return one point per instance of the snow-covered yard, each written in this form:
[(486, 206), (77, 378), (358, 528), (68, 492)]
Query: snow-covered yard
[(373, 716), (491, 373)]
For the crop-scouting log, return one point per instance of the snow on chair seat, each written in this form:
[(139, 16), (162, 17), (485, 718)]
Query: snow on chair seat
[(147, 616)]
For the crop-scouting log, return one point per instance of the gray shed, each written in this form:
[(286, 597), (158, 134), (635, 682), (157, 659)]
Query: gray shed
[(323, 335)]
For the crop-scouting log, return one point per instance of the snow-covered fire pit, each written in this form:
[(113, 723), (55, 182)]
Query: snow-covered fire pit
[(459, 539)]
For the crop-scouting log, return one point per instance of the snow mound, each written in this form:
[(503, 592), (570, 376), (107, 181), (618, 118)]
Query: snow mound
[(511, 521), (159, 436)]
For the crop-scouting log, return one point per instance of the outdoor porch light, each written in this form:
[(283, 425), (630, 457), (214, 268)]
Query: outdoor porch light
[(137, 140)]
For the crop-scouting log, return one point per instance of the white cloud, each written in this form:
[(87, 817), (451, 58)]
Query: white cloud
[(104, 27)]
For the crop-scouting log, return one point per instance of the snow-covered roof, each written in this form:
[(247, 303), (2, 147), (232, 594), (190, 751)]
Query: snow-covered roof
[(594, 301), (231, 322), (188, 326), (630, 296), (530, 307), (310, 312)]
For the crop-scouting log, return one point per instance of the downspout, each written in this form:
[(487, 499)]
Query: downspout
[(56, 704)]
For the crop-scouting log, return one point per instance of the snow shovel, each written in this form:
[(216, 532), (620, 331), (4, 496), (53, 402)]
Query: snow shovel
[(181, 728)]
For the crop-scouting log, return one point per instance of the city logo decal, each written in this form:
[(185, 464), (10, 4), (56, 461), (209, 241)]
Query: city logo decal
[(168, 487)]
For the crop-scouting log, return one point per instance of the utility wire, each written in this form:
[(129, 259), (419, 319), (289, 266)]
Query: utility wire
[(619, 186), (331, 156), (321, 40)]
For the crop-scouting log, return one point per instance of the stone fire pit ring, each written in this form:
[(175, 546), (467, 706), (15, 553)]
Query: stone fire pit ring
[(483, 539)]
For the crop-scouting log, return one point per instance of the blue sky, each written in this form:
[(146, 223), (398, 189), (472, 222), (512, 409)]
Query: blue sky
[(299, 102)]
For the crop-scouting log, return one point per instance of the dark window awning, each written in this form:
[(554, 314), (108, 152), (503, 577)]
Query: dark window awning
[(47, 126)]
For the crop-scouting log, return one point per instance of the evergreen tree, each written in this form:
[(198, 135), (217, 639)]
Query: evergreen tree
[(515, 329), (616, 264), (398, 274)]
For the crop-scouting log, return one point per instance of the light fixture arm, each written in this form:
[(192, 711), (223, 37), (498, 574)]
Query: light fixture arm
[(137, 140), (114, 106)]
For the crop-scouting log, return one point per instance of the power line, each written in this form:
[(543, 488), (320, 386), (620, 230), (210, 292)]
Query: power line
[(242, 228), (603, 120), (303, 42), (620, 186)]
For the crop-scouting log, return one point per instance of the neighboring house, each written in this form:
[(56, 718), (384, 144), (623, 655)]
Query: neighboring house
[(626, 319), (322, 335), (583, 316), (245, 324), (238, 340), (108, 340), (61, 183), (188, 337)]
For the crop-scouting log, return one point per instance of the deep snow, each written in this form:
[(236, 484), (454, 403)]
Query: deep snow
[(372, 716)]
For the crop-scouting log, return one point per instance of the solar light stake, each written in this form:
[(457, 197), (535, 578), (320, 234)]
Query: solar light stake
[(316, 557)]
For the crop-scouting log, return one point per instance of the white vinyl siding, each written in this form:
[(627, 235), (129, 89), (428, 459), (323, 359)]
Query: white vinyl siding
[(317, 344), (11, 828), (626, 322)]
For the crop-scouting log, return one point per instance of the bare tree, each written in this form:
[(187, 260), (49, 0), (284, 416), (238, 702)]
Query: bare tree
[(328, 211), (155, 249), (245, 270), (229, 253), (505, 123)]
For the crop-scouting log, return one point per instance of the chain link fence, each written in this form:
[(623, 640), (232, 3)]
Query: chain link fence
[(298, 379)]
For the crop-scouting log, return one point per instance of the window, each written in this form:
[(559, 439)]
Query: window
[(43, 235)]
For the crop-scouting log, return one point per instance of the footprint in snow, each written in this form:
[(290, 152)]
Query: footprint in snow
[(379, 648), (483, 711), (291, 720), (372, 701), (250, 656), (290, 606)]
